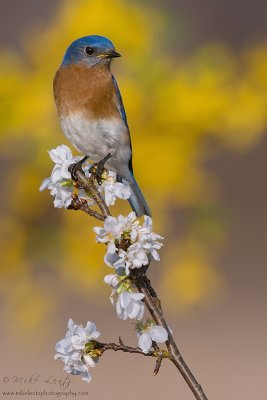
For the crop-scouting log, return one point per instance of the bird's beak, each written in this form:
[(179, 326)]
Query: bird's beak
[(114, 54), (110, 54)]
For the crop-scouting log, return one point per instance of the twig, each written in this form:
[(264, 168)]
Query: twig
[(158, 364), (151, 300), (128, 349), (89, 186), (78, 204), (121, 341), (175, 355)]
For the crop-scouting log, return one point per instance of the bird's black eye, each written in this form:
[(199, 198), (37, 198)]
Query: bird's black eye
[(88, 51)]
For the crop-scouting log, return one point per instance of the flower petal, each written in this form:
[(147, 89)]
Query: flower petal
[(158, 334), (89, 361), (144, 342)]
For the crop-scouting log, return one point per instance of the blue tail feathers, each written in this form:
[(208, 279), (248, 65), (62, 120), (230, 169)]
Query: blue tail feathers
[(137, 200)]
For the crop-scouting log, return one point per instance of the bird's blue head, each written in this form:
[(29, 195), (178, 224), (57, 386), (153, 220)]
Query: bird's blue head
[(91, 50)]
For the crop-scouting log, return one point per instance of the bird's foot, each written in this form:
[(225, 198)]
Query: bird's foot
[(74, 168), (98, 168)]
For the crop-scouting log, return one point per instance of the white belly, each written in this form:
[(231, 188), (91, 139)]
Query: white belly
[(96, 138)]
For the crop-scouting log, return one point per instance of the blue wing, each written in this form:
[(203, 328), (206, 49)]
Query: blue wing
[(119, 103), (120, 106)]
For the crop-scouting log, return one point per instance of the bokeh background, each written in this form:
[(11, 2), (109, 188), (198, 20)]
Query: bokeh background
[(193, 77)]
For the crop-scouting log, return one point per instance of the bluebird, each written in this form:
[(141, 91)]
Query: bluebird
[(91, 111)]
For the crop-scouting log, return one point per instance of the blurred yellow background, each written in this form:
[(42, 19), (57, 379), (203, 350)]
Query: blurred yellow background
[(198, 115)]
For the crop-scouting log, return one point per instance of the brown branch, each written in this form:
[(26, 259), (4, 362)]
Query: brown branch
[(158, 364), (80, 204), (153, 305), (159, 353), (151, 300), (89, 186)]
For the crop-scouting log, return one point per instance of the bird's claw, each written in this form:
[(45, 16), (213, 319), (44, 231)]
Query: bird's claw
[(74, 168), (98, 168)]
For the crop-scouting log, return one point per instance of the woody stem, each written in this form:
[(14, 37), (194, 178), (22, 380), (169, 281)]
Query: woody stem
[(128, 349), (154, 307), (89, 186), (152, 302)]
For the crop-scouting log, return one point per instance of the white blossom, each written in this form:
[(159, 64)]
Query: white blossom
[(111, 280), (46, 184), (114, 189), (129, 305), (63, 158), (72, 349), (60, 183), (109, 233), (134, 257), (114, 228), (109, 186), (61, 186), (148, 239), (129, 244), (113, 260), (149, 333), (62, 192)]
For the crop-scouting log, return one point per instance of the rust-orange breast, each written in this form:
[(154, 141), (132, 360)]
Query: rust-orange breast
[(89, 91)]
